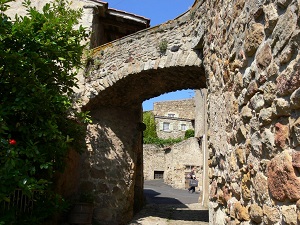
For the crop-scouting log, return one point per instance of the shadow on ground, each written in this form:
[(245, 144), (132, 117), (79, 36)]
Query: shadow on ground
[(154, 197), (167, 210)]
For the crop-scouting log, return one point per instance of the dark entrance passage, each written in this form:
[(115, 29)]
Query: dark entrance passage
[(158, 175)]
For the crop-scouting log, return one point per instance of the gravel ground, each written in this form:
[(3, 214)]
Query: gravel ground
[(168, 206)]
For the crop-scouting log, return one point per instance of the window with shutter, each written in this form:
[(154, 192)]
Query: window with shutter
[(171, 126), (161, 126), (166, 126)]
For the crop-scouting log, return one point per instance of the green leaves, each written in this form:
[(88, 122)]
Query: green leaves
[(189, 133), (148, 120), (39, 53), (150, 135), (3, 4), (161, 142)]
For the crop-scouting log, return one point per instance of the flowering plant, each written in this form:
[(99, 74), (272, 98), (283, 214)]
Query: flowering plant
[(40, 55), (12, 142)]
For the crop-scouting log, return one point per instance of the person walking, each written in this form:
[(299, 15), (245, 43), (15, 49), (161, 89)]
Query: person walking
[(192, 176)]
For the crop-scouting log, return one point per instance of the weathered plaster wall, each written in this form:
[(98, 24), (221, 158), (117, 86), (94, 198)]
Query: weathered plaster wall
[(200, 112)]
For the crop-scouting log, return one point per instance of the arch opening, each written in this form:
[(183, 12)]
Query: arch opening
[(114, 157), (135, 88)]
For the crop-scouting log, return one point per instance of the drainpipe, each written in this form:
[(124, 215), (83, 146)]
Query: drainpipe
[(205, 181), (205, 185)]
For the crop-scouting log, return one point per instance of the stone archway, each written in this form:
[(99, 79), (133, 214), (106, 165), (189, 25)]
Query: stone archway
[(120, 76), (250, 54), (114, 156)]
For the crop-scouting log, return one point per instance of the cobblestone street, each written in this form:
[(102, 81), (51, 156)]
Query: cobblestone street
[(168, 206)]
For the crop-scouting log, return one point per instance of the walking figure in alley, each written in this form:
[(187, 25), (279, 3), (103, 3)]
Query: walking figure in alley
[(193, 180)]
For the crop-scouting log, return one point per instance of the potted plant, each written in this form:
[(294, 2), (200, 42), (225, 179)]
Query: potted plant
[(82, 210)]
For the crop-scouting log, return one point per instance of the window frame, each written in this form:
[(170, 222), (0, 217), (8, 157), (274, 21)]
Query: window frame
[(164, 124)]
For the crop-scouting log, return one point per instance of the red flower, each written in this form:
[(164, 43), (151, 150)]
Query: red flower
[(12, 142)]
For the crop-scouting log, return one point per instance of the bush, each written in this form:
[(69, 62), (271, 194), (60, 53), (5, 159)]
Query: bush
[(149, 121), (162, 142), (39, 56), (189, 133)]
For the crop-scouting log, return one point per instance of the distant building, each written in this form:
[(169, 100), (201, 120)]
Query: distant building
[(110, 24), (105, 24), (173, 118), (173, 163)]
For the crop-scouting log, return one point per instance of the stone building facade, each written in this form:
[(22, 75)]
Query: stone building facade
[(172, 164), (173, 118), (154, 162)]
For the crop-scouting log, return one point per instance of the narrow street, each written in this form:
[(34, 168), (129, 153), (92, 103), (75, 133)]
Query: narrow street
[(169, 206)]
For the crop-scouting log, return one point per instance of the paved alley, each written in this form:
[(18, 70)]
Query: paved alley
[(168, 206)]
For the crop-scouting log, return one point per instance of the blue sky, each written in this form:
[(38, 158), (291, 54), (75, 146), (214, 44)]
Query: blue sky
[(158, 11)]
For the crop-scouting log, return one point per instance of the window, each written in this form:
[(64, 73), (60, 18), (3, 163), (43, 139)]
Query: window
[(189, 167), (166, 126), (158, 175), (171, 114), (183, 126)]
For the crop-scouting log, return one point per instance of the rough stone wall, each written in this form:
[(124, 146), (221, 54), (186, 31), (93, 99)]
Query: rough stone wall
[(176, 161), (183, 112), (179, 159), (111, 164), (251, 58), (174, 130), (250, 52), (136, 68), (154, 160), (184, 108)]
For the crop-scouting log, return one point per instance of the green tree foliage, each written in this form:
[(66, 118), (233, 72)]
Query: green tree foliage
[(39, 56), (189, 133), (148, 120)]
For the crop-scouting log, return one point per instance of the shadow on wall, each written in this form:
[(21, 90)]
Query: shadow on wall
[(109, 164)]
